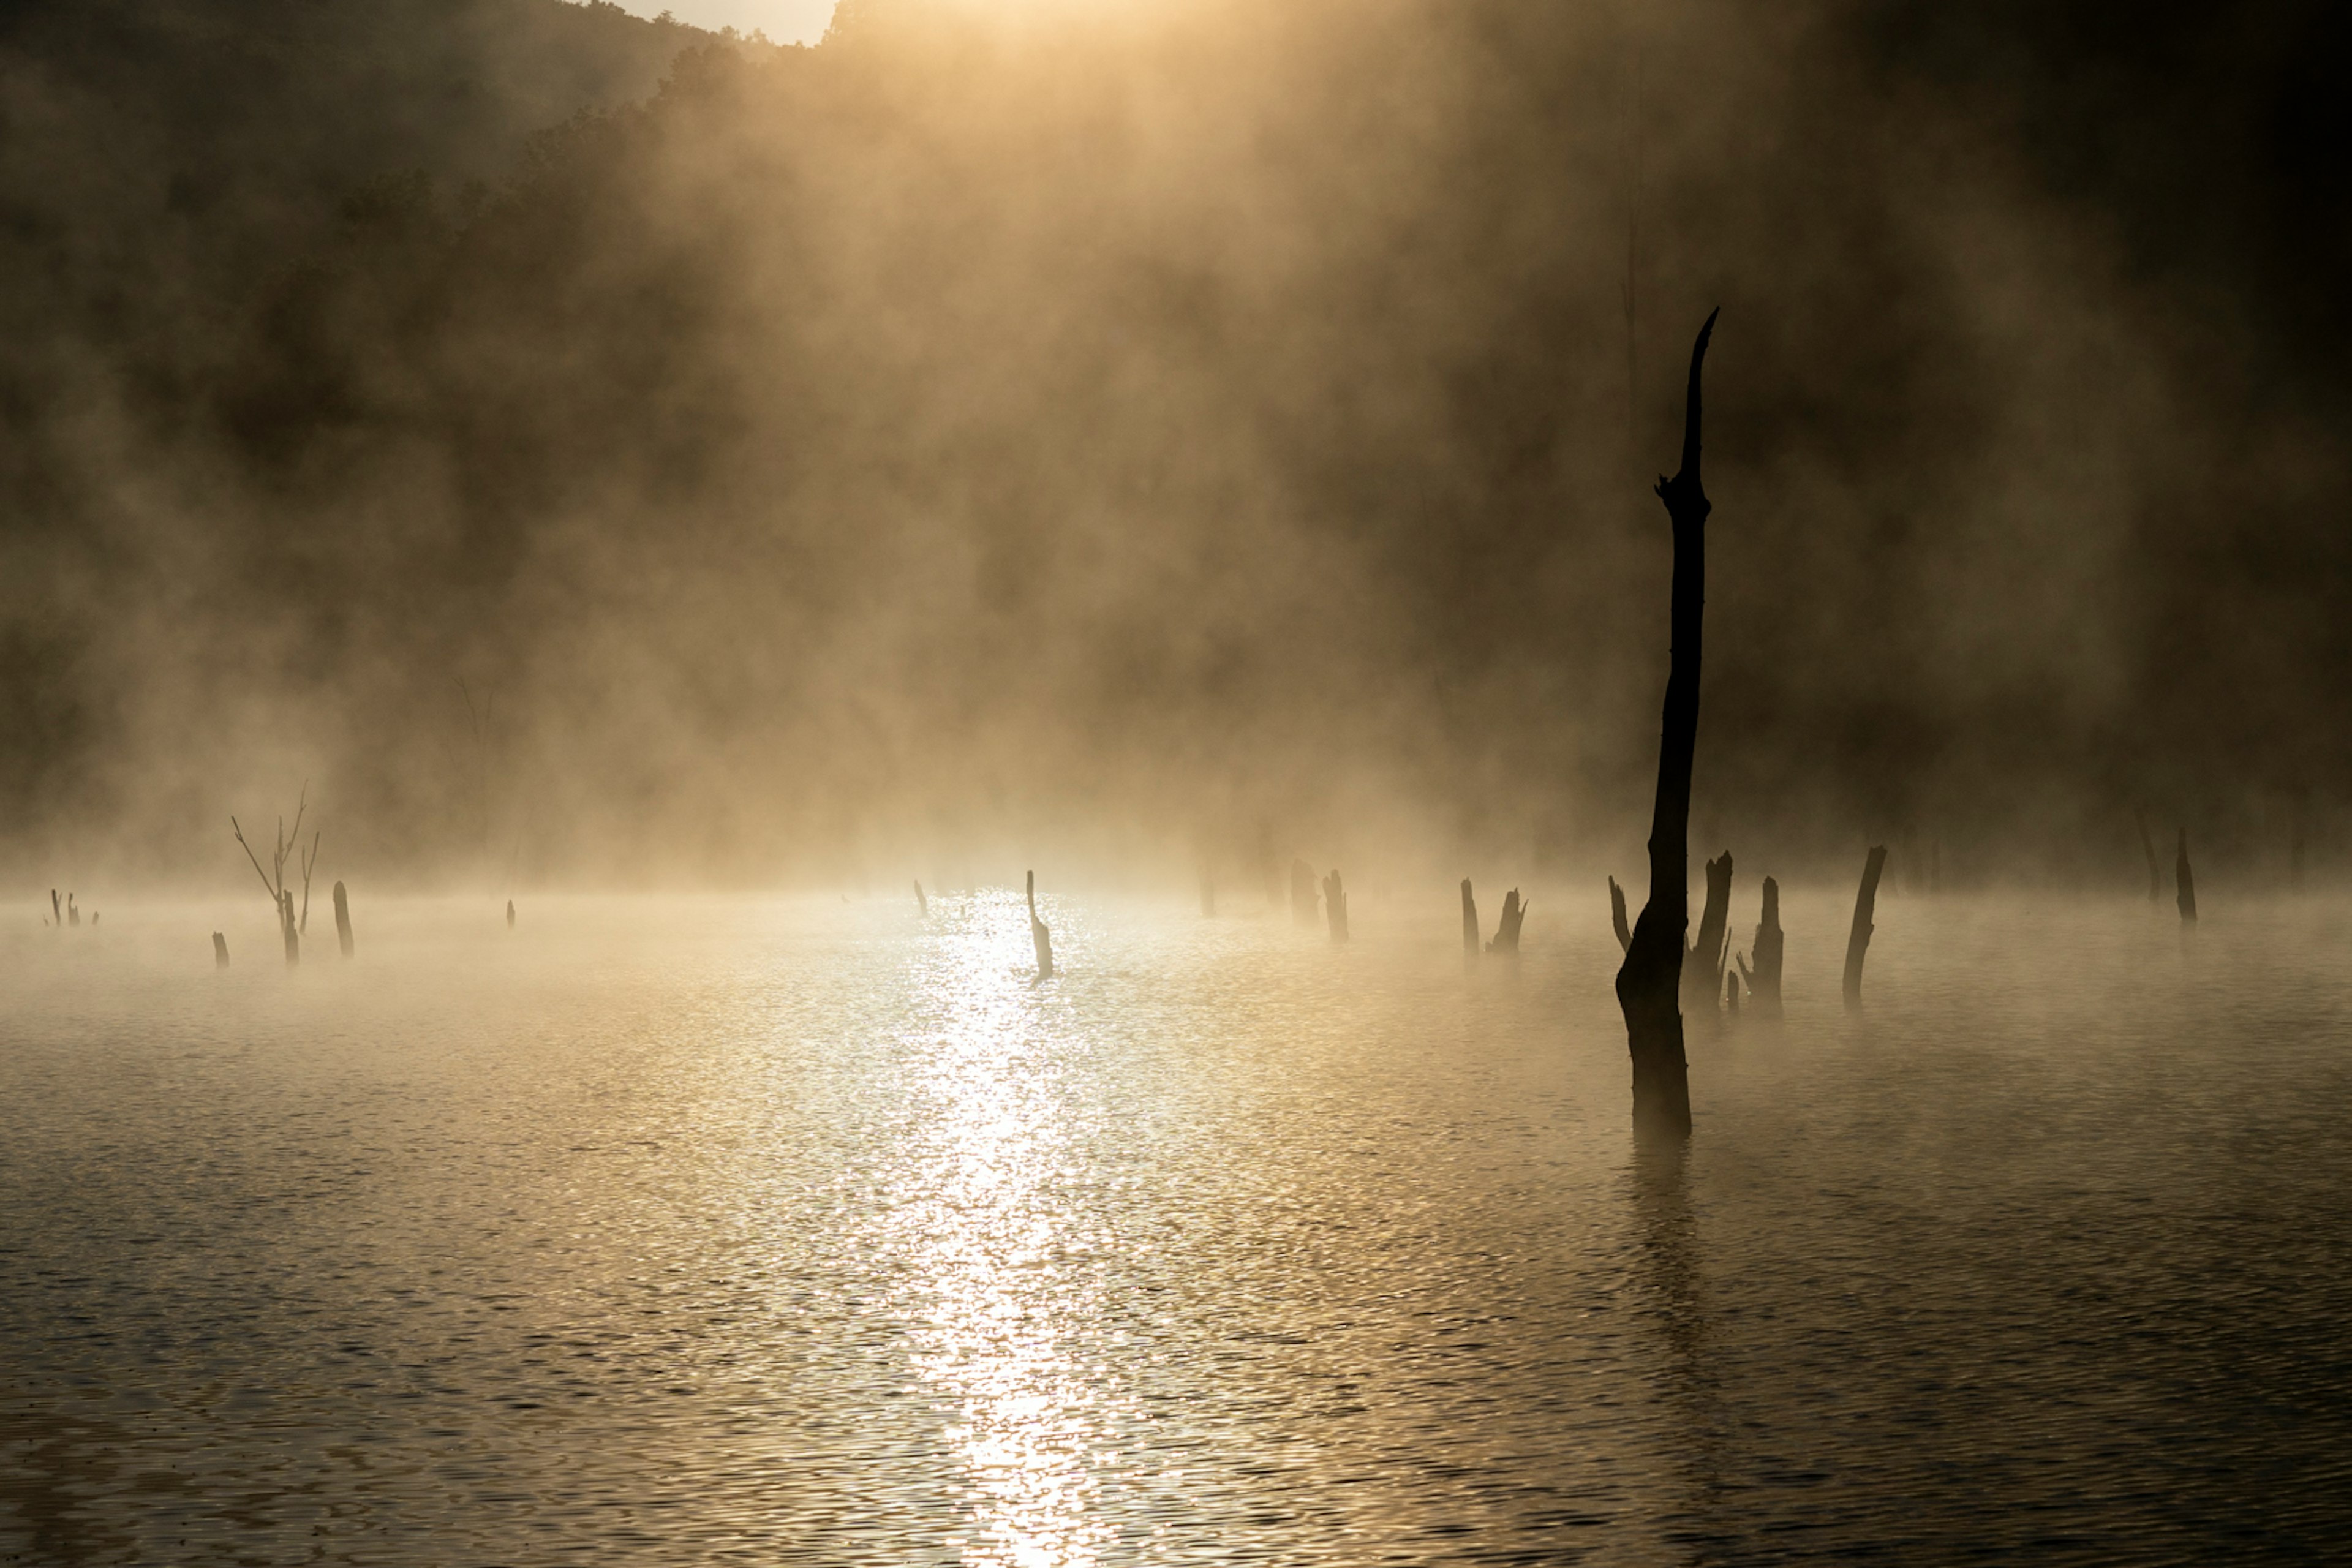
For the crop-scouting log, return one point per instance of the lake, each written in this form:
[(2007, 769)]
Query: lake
[(703, 1230)]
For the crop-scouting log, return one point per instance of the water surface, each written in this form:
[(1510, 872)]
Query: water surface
[(709, 1230)]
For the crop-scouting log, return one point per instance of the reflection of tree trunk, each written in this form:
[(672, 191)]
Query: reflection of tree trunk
[(1671, 1279), (2186, 881), (1703, 965), (1865, 905), (1651, 975), (2148, 847), (1617, 916), (1469, 920)]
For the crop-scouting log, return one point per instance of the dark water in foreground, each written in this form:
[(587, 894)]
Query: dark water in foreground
[(700, 1231)]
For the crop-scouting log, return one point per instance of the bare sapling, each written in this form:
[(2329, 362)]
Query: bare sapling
[(1335, 905), (1617, 916), (1865, 905), (2186, 881), (1040, 936), (1649, 982), (1506, 934), (273, 881), (343, 920), (1469, 920)]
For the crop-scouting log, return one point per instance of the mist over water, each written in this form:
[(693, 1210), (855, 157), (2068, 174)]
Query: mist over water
[(670, 1230)]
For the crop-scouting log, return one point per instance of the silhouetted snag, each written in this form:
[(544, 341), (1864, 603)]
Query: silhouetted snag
[(1617, 916), (56, 908), (1302, 893), (2148, 847), (511, 918), (2186, 880), (73, 913), (1335, 906), (1703, 963), (1865, 905), (1506, 934), (1731, 993), (1650, 979), (220, 950), (1039, 936), (273, 881), (1764, 980), (1469, 920), (922, 904), (342, 920)]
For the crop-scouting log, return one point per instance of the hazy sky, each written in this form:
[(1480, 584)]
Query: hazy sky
[(784, 21)]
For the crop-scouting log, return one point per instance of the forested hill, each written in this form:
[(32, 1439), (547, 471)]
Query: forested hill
[(160, 159)]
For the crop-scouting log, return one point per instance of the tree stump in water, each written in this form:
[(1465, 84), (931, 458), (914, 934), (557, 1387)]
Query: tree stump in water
[(1302, 893), (2186, 880), (343, 920), (1469, 920), (1865, 905), (1731, 993), (2148, 847), (220, 950), (1703, 963), (1764, 980), (1617, 916), (1039, 936), (1506, 934), (511, 918), (1649, 982), (1335, 906)]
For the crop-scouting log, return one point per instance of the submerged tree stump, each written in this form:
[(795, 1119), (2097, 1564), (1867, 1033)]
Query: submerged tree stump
[(1703, 963), (1731, 993), (1469, 920), (1040, 936), (1506, 934), (1649, 982), (2148, 847), (1865, 905), (343, 920), (1617, 916), (922, 904), (1302, 893), (510, 914), (220, 950), (1335, 906), (1764, 980), (2186, 880)]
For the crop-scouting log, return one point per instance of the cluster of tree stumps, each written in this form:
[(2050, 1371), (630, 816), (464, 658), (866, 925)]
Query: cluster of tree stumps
[(66, 914), (1505, 942)]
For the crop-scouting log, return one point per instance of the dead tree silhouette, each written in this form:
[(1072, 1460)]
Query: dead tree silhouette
[(1649, 982)]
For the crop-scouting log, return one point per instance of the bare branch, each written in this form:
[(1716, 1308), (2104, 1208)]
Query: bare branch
[(257, 862)]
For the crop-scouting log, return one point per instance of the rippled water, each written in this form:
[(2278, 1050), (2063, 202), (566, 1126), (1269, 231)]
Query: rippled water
[(695, 1231)]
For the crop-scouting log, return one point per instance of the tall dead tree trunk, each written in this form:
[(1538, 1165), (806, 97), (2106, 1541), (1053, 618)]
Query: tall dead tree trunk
[(2186, 880), (1469, 920), (1650, 979), (2148, 847), (1039, 936), (1617, 916), (1703, 965), (1865, 905)]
